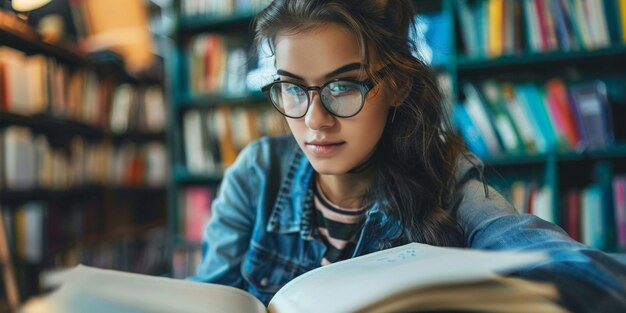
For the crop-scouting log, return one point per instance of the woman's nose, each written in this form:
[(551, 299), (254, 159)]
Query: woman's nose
[(317, 117)]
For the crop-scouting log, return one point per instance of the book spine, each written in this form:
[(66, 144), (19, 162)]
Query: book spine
[(469, 131), (619, 193), (572, 212), (496, 23), (468, 29), (561, 26), (622, 18)]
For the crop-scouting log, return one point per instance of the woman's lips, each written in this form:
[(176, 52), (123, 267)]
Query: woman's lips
[(324, 149)]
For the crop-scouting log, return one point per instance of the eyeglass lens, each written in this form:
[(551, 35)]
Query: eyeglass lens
[(340, 98)]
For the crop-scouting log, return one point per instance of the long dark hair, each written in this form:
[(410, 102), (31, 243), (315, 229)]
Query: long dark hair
[(417, 154)]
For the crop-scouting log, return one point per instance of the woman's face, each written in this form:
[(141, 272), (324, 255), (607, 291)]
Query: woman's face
[(333, 145)]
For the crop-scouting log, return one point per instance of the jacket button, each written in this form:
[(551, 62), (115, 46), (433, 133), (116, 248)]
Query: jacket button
[(264, 282)]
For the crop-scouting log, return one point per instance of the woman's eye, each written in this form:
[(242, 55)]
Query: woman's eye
[(294, 90), (342, 88)]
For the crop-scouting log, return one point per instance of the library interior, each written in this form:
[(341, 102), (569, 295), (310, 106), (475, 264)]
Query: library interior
[(119, 117)]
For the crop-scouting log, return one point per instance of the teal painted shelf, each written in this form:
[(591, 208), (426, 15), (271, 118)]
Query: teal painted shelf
[(614, 151), (212, 100), (217, 22), (464, 63), (183, 176)]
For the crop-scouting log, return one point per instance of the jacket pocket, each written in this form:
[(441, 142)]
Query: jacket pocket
[(266, 272)]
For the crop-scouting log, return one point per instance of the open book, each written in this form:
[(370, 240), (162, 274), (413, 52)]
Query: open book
[(413, 277)]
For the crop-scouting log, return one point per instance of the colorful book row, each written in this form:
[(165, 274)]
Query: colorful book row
[(529, 118), (37, 84), (594, 215), (213, 137), (29, 161), (491, 28), (216, 8), (57, 237)]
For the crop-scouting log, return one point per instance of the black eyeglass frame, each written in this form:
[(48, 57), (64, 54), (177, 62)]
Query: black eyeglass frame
[(364, 85)]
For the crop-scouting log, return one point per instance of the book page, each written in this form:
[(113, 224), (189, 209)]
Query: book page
[(352, 284), (86, 289), (501, 294)]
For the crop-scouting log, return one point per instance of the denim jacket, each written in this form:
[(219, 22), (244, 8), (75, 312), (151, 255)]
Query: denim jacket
[(260, 235)]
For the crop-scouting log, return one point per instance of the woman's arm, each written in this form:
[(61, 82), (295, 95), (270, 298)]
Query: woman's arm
[(588, 280), (226, 237)]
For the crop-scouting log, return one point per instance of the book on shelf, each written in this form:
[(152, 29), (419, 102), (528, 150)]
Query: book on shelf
[(562, 111), (572, 207), (30, 161), (196, 212), (469, 131), (492, 28), (217, 8), (619, 200), (386, 281), (593, 218), (19, 158), (591, 107), (622, 16), (482, 119), (521, 120), (502, 119), (530, 117), (432, 37), (217, 65)]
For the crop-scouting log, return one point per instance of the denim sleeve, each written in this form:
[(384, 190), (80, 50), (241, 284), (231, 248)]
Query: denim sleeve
[(588, 280), (227, 235)]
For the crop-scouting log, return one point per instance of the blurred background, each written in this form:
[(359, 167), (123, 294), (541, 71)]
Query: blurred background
[(118, 118)]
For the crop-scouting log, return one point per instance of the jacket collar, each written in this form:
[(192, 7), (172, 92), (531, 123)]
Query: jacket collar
[(293, 209)]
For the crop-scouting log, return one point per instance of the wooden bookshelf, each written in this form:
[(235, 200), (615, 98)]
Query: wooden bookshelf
[(80, 195), (49, 124)]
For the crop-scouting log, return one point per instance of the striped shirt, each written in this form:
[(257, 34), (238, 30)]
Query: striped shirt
[(337, 227)]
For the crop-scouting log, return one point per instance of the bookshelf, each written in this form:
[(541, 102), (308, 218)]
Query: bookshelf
[(519, 58), (530, 51), (90, 185), (218, 112)]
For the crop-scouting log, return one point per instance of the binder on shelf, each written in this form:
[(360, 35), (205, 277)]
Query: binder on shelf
[(593, 114), (519, 117), (502, 118), (561, 111), (469, 29), (592, 229), (477, 111), (469, 131)]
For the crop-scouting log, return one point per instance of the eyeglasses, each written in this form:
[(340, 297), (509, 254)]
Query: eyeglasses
[(340, 97)]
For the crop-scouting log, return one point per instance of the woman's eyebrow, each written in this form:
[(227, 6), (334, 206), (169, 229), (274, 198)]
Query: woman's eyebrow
[(343, 69)]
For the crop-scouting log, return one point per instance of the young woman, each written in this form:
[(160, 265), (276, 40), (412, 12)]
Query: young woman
[(370, 164)]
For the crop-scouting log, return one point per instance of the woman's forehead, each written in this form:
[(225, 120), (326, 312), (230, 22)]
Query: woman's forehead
[(316, 51)]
